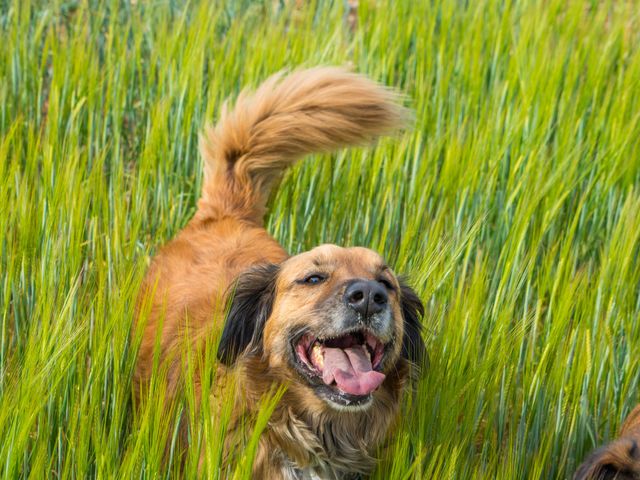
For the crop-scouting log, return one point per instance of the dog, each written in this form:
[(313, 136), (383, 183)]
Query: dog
[(618, 460), (334, 327)]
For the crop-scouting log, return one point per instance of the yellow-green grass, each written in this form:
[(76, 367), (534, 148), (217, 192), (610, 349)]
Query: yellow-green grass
[(513, 205)]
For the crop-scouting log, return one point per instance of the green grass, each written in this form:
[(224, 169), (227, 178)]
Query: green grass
[(513, 204)]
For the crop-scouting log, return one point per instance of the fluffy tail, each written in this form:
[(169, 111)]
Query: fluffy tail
[(287, 117)]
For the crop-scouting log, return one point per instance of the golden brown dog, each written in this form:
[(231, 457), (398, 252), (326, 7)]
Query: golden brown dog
[(335, 325), (618, 460)]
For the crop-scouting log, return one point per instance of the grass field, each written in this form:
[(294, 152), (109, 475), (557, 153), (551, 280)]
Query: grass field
[(513, 205)]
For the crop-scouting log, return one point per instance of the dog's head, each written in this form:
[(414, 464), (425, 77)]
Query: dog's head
[(333, 322), (620, 459)]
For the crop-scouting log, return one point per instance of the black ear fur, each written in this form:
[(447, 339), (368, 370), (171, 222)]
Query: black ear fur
[(413, 347), (251, 304)]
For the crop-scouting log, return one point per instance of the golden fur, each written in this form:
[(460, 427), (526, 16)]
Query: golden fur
[(225, 261), (620, 459)]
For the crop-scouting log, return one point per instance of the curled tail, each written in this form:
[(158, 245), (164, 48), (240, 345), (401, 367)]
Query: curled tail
[(287, 117)]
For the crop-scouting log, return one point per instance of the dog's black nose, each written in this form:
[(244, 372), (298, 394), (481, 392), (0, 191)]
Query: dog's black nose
[(366, 297)]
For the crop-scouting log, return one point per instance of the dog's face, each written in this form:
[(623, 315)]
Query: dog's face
[(332, 322)]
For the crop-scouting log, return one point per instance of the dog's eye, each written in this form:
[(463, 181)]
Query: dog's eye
[(387, 284), (314, 279)]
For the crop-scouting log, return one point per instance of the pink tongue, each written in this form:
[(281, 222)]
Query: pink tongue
[(351, 369)]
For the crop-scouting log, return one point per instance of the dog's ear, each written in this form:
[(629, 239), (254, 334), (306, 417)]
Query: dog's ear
[(413, 348), (252, 300)]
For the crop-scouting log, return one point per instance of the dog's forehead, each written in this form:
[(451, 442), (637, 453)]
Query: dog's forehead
[(358, 260)]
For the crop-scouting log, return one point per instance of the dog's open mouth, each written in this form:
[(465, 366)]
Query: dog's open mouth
[(348, 364)]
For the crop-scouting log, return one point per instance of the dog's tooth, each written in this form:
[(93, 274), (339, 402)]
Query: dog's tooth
[(316, 356), (368, 352)]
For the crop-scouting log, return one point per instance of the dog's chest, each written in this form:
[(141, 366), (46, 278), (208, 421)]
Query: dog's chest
[(293, 473), (328, 457)]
